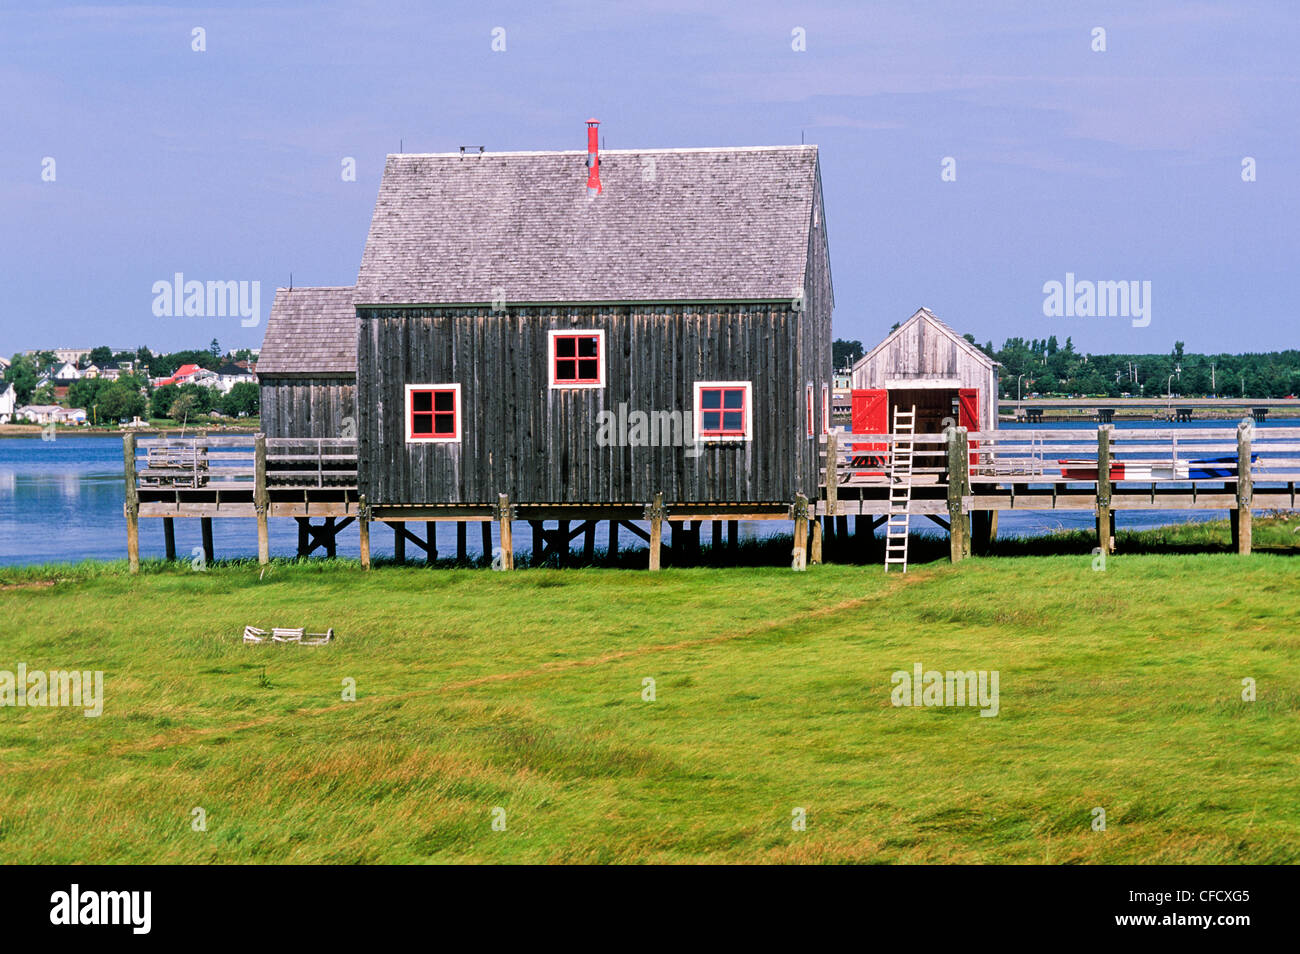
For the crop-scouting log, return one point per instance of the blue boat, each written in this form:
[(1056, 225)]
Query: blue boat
[(1209, 468)]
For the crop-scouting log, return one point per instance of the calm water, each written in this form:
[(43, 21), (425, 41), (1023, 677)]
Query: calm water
[(61, 501)]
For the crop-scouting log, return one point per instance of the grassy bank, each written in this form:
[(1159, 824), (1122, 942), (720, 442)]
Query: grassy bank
[(476, 690)]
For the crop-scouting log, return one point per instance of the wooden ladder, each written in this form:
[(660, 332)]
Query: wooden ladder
[(900, 488)]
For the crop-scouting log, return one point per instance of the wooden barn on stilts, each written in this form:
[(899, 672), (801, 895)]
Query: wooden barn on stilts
[(565, 337)]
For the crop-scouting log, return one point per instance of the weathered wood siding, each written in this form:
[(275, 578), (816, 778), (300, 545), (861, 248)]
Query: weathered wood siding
[(308, 407), (540, 445)]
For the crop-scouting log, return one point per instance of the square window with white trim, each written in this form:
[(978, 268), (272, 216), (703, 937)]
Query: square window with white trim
[(433, 413), (577, 359), (724, 411)]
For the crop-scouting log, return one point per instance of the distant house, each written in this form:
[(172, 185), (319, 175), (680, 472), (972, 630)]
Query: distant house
[(72, 356), (231, 373), (90, 371), (8, 403), (51, 414), (61, 375), (189, 374)]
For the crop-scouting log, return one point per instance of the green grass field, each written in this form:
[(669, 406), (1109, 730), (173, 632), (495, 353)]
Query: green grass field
[(523, 691)]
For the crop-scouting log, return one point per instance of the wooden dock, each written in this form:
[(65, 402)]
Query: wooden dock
[(960, 480)]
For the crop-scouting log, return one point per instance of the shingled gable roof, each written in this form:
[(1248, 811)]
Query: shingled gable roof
[(671, 225), (311, 331), (926, 315)]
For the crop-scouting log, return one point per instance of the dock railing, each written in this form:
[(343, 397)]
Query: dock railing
[(1143, 455), (232, 462)]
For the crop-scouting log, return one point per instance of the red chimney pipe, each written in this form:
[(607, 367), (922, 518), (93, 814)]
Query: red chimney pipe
[(593, 159)]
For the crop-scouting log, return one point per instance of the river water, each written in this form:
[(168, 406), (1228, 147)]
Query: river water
[(61, 501)]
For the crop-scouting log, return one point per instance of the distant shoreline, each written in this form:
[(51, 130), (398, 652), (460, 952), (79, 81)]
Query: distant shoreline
[(34, 430)]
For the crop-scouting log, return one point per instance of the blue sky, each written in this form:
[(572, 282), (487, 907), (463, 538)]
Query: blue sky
[(225, 164)]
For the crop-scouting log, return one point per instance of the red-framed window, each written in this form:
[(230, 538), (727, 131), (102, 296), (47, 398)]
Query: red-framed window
[(577, 359), (808, 404), (826, 408), (723, 410), (433, 413)]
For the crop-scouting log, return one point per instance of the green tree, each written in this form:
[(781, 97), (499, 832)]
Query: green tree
[(163, 399), (22, 375), (845, 353), (101, 356), (118, 400), (242, 399)]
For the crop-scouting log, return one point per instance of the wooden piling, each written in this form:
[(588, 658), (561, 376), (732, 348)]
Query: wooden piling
[(1245, 491), (132, 507), (562, 538), (1105, 536), (430, 542), (589, 542), (815, 556), (169, 538), (331, 538), (363, 524), (399, 540), (462, 546), (505, 532), (958, 476), (655, 514), (304, 536), (612, 550), (205, 525), (733, 532), (800, 514), (486, 528), (262, 501)]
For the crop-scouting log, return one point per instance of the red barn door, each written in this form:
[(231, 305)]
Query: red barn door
[(968, 416), (870, 416)]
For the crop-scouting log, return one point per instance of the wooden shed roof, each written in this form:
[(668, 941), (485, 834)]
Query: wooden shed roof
[(311, 331), (930, 318), (671, 225)]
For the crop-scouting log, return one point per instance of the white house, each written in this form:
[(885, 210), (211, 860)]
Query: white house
[(51, 414), (8, 402)]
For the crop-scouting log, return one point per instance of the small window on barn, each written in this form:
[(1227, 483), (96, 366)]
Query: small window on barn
[(433, 413), (577, 359), (808, 405), (724, 411), (826, 408)]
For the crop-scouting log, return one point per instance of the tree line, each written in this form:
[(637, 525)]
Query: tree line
[(1047, 367)]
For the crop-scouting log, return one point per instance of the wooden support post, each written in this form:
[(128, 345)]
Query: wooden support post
[(504, 516), (206, 526), (304, 536), (331, 534), (430, 542), (1245, 490), (612, 550), (800, 513), (486, 527), (399, 541), (589, 542), (169, 538), (1105, 541), (715, 535), (262, 500), (815, 557), (562, 539), (132, 507), (539, 541), (958, 475), (363, 524), (832, 474), (462, 546), (655, 514), (733, 532)]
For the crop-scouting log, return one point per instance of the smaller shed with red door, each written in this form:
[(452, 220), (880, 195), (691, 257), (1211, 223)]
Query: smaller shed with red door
[(927, 365)]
